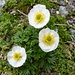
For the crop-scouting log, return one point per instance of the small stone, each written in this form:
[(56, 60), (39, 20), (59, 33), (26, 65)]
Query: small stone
[(70, 2), (66, 1), (73, 24), (71, 17), (70, 8), (74, 19), (74, 39), (70, 21), (0, 56), (72, 31), (57, 12), (13, 12), (53, 11), (73, 3), (62, 2)]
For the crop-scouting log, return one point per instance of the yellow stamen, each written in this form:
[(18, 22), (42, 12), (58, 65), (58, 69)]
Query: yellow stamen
[(17, 56), (48, 39), (39, 17)]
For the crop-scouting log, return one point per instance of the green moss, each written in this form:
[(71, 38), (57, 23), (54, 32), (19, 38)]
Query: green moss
[(10, 4), (48, 4), (14, 32), (64, 34), (60, 19), (72, 13)]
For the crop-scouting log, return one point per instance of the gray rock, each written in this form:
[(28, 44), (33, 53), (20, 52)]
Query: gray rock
[(72, 31), (70, 8), (74, 19), (70, 21), (53, 11), (62, 11), (70, 2), (2, 3), (62, 2), (73, 3)]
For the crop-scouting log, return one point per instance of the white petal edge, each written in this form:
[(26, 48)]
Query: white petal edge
[(39, 5)]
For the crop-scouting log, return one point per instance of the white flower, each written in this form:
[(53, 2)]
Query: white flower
[(38, 16), (17, 56), (2, 3), (48, 40)]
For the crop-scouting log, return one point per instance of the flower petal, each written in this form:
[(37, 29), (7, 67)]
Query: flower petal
[(11, 59), (38, 9), (43, 46), (39, 5)]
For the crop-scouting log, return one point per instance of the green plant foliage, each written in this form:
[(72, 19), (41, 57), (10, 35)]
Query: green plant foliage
[(10, 4), (64, 35), (60, 19), (13, 32), (47, 3)]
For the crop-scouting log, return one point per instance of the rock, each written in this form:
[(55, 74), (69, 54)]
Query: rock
[(72, 31), (70, 2), (57, 12), (62, 11), (53, 11), (62, 2), (13, 12), (74, 19), (70, 8), (70, 21), (66, 1), (2, 3), (73, 3)]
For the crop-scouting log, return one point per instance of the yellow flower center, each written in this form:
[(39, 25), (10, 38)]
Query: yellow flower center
[(39, 17), (17, 56), (48, 39)]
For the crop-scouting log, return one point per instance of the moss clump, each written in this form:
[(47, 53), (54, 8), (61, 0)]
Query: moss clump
[(15, 30)]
